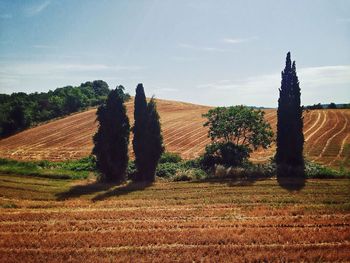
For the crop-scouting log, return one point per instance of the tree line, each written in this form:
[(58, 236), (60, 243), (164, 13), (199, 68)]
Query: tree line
[(19, 111)]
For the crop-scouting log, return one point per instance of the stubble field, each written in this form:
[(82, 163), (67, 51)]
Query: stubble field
[(327, 135), (44, 220)]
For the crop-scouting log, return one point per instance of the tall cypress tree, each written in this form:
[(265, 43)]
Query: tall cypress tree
[(290, 138), (139, 130), (153, 141), (112, 138)]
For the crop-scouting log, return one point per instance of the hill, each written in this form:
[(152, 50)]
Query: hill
[(327, 135)]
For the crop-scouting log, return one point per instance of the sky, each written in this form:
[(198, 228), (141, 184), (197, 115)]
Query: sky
[(210, 52)]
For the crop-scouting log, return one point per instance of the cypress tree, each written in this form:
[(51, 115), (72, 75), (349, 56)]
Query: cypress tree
[(112, 138), (290, 138), (139, 130), (153, 141)]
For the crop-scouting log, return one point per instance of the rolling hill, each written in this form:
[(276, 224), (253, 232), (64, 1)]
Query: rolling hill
[(327, 135)]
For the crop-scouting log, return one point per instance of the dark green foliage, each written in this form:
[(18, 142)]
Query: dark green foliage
[(168, 157), (167, 170), (148, 140), (112, 138), (20, 110), (332, 105), (153, 140), (290, 138), (139, 130), (235, 131), (227, 154)]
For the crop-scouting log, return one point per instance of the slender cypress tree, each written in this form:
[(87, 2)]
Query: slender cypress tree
[(153, 141), (112, 138), (290, 138), (139, 130)]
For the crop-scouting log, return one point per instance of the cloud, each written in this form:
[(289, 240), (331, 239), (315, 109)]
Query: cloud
[(318, 84), (16, 76), (238, 40), (5, 16), (201, 48), (36, 9)]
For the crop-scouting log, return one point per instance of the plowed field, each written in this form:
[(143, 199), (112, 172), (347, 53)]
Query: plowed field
[(327, 135), (44, 220)]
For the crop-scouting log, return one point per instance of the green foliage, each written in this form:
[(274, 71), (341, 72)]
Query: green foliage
[(290, 138), (75, 169), (227, 154), (235, 131), (168, 157), (239, 125), (139, 130), (189, 174), (19, 111), (167, 170), (112, 138), (148, 139), (314, 170)]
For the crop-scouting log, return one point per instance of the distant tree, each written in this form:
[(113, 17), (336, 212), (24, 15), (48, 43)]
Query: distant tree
[(290, 138), (235, 131), (332, 105), (153, 141), (112, 138), (139, 130)]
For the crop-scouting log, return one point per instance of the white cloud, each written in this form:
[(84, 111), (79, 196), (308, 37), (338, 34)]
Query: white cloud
[(238, 40), (5, 16), (318, 84), (201, 48), (36, 9)]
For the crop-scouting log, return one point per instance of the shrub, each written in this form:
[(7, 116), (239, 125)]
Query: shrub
[(167, 170), (169, 157), (226, 154), (189, 174)]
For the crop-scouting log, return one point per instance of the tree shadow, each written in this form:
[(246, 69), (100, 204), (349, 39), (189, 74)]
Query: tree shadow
[(108, 189), (122, 190), (291, 178), (86, 189), (235, 181)]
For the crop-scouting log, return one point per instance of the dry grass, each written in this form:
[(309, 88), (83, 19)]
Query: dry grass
[(56, 221), (327, 135)]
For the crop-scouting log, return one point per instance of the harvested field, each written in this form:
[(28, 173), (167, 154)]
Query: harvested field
[(327, 135), (56, 221)]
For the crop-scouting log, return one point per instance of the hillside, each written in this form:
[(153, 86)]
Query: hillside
[(327, 135)]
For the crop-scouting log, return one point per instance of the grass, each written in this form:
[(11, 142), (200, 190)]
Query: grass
[(75, 169)]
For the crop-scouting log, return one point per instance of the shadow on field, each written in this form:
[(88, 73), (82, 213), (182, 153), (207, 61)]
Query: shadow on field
[(230, 181), (291, 178), (86, 189), (108, 190), (122, 190)]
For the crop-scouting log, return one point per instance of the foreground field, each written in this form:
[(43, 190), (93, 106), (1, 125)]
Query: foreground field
[(60, 221), (327, 135)]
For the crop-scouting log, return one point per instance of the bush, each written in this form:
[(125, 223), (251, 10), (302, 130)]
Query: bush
[(314, 170), (167, 170), (189, 175), (226, 154), (169, 157), (131, 170)]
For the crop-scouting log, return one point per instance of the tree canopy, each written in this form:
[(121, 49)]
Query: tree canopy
[(240, 125), (112, 138)]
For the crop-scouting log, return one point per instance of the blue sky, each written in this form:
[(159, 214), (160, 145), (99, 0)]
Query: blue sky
[(211, 52)]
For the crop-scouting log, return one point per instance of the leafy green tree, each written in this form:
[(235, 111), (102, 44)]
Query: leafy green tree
[(332, 105), (112, 138), (290, 138), (235, 131), (139, 130)]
